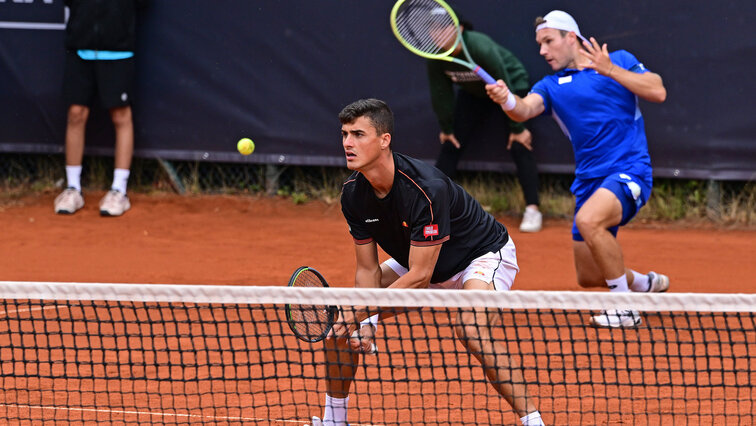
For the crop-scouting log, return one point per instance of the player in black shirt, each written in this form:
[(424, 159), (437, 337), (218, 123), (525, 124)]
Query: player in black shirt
[(437, 235)]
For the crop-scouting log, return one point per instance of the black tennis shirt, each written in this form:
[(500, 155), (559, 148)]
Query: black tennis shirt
[(423, 208)]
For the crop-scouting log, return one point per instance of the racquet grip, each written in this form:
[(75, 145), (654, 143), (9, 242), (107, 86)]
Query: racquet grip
[(484, 75), (373, 348)]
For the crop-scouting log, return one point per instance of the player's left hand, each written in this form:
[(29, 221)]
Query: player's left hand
[(598, 57), (524, 138)]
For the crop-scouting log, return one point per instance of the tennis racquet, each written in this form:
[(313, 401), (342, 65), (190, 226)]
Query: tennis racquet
[(312, 323), (429, 28)]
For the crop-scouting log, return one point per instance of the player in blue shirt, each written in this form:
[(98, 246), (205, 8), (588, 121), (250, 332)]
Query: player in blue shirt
[(594, 98)]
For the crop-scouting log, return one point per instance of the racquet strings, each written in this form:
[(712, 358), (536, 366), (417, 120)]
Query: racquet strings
[(311, 321), (415, 20)]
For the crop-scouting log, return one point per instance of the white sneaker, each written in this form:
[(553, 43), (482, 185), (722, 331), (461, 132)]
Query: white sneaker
[(532, 221), (657, 283), (617, 318), (69, 201), (114, 203)]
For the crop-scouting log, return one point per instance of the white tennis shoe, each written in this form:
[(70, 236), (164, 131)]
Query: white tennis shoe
[(657, 283), (114, 203), (532, 221), (613, 318), (69, 201)]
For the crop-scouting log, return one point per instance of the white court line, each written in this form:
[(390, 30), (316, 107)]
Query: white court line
[(6, 313), (151, 413), (157, 414)]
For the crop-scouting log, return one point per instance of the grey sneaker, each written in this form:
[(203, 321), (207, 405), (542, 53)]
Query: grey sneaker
[(114, 203), (69, 201), (657, 283), (617, 318), (532, 221)]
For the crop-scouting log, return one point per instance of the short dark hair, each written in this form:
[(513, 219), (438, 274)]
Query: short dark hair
[(377, 111)]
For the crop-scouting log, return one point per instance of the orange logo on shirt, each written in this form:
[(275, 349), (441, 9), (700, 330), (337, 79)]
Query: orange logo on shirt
[(404, 224)]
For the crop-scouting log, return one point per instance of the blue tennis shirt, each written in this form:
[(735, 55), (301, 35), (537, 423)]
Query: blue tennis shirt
[(600, 117)]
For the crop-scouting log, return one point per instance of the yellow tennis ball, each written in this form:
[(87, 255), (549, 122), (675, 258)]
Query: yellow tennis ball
[(245, 146)]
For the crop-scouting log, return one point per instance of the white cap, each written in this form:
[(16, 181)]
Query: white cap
[(560, 20)]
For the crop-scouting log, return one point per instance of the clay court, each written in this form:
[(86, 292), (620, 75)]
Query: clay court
[(243, 240), (170, 239)]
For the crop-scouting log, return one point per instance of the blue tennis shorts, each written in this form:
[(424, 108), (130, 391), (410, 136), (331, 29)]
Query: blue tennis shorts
[(631, 190)]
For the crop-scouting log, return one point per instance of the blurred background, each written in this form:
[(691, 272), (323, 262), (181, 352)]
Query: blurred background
[(211, 72)]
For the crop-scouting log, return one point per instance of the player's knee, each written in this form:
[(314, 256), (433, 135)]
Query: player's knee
[(587, 223), (590, 282), (121, 116), (77, 115), (466, 328)]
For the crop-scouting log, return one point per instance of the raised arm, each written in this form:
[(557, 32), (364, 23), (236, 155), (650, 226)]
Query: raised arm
[(647, 85), (517, 108)]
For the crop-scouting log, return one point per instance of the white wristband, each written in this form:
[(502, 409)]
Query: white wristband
[(511, 102), (370, 320)]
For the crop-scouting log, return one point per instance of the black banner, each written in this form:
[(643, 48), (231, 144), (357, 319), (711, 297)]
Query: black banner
[(279, 72)]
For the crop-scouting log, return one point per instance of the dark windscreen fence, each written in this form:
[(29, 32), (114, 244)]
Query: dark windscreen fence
[(209, 73)]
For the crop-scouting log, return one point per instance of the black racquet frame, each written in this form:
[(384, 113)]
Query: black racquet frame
[(298, 327)]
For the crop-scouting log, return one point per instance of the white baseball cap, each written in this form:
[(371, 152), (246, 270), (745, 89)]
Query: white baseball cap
[(560, 20)]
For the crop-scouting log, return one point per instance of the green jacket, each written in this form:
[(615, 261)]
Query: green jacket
[(499, 62)]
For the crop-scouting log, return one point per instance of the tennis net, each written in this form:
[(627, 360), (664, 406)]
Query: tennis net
[(78, 353)]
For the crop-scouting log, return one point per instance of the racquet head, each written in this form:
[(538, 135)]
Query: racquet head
[(310, 323), (428, 28)]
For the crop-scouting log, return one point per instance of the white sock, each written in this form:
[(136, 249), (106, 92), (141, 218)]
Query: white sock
[(532, 419), (120, 178), (640, 282), (73, 177), (618, 284), (335, 411)]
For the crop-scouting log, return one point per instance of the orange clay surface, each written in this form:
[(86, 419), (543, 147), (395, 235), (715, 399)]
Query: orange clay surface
[(259, 241)]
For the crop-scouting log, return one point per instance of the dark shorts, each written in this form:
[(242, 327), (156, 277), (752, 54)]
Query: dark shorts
[(631, 191), (112, 81)]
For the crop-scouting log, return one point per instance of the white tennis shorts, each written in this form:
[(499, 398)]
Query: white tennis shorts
[(498, 267)]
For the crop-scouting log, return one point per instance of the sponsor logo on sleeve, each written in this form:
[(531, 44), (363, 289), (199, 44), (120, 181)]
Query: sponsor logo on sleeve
[(430, 230)]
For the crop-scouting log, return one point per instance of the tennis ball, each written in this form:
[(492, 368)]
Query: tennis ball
[(245, 146)]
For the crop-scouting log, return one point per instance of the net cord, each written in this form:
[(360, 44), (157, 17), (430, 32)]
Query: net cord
[(240, 294)]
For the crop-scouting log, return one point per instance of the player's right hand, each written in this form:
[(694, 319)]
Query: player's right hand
[(498, 92), (449, 137), (362, 339)]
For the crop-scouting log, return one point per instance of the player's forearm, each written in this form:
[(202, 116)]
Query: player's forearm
[(521, 111), (368, 277), (412, 279), (648, 86)]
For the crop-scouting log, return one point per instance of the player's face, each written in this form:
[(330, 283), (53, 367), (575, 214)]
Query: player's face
[(444, 36), (362, 143), (555, 48)]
